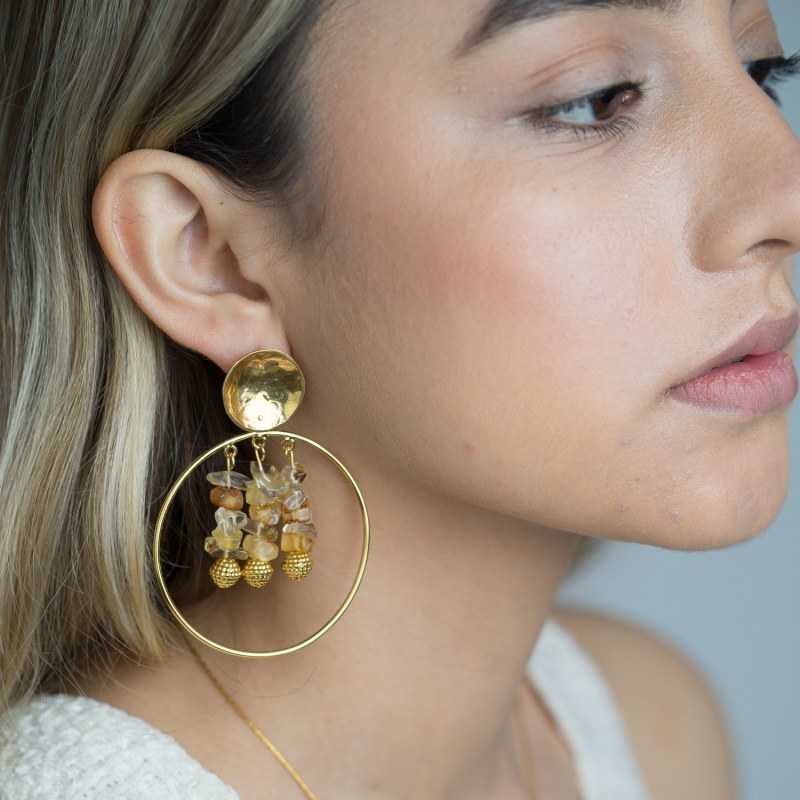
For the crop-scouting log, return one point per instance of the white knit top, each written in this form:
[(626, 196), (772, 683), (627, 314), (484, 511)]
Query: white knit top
[(60, 747)]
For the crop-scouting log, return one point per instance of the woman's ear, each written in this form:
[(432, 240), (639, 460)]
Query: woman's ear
[(192, 255)]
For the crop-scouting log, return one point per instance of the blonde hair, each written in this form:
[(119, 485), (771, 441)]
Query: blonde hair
[(98, 409)]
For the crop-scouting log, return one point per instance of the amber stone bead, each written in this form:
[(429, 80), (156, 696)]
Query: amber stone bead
[(227, 497), (297, 565), (225, 572), (257, 573)]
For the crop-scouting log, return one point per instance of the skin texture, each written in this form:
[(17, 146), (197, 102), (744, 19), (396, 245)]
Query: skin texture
[(489, 317), (672, 714)]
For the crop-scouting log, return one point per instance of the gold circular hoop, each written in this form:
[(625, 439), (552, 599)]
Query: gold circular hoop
[(162, 515)]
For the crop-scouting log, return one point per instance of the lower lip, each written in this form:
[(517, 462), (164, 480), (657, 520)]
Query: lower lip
[(751, 387)]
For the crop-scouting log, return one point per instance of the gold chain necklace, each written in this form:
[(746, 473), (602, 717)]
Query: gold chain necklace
[(524, 739), (522, 733), (250, 724)]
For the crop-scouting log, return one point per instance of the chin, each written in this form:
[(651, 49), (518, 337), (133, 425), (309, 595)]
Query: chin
[(716, 532), (718, 496), (720, 514)]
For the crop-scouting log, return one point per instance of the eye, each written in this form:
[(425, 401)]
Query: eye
[(759, 71), (767, 72), (594, 109)]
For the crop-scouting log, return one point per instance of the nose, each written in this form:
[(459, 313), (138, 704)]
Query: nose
[(746, 206)]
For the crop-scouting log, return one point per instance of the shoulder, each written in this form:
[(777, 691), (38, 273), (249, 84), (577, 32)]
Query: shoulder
[(675, 722), (65, 746)]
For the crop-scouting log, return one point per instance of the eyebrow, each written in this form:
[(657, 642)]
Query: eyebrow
[(505, 14)]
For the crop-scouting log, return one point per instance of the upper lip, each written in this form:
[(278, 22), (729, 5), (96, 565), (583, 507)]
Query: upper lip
[(766, 336)]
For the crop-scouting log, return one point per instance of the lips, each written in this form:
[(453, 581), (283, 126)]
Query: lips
[(766, 336), (753, 377)]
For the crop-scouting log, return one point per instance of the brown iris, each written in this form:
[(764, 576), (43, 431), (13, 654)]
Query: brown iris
[(605, 105)]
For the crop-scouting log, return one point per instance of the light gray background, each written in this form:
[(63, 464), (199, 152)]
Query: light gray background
[(733, 612)]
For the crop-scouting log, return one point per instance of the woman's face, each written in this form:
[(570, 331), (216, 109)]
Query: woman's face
[(508, 278)]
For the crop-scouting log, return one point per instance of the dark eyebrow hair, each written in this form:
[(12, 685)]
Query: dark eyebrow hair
[(504, 14)]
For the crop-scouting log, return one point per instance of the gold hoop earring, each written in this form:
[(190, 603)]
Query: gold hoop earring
[(261, 391)]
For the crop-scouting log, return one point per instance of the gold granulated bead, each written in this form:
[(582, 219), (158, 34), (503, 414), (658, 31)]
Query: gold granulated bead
[(297, 565), (257, 573), (225, 572)]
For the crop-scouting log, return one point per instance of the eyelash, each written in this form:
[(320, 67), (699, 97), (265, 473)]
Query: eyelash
[(773, 70), (777, 70)]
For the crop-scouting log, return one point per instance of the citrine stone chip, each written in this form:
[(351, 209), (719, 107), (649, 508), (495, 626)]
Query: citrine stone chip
[(296, 541), (259, 547)]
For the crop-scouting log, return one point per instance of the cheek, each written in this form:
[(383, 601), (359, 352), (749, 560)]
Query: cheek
[(521, 357), (513, 312)]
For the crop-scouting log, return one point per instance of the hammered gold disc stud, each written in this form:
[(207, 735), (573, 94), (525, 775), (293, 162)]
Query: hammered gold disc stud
[(262, 390)]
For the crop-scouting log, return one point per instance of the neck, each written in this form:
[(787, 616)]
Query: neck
[(414, 686)]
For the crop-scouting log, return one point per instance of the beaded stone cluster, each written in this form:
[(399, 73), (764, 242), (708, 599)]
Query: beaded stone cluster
[(275, 500)]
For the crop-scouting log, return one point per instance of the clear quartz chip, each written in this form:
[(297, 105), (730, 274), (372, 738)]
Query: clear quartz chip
[(212, 548), (294, 499), (227, 478), (302, 514), (230, 521), (260, 529), (293, 476), (269, 481), (267, 515), (304, 528)]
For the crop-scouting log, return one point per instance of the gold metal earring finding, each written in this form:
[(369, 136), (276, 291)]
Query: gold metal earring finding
[(262, 390)]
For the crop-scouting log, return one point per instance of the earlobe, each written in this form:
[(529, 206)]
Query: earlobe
[(176, 239)]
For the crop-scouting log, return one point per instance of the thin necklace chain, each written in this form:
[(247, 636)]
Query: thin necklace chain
[(523, 736), (250, 724), (522, 733)]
